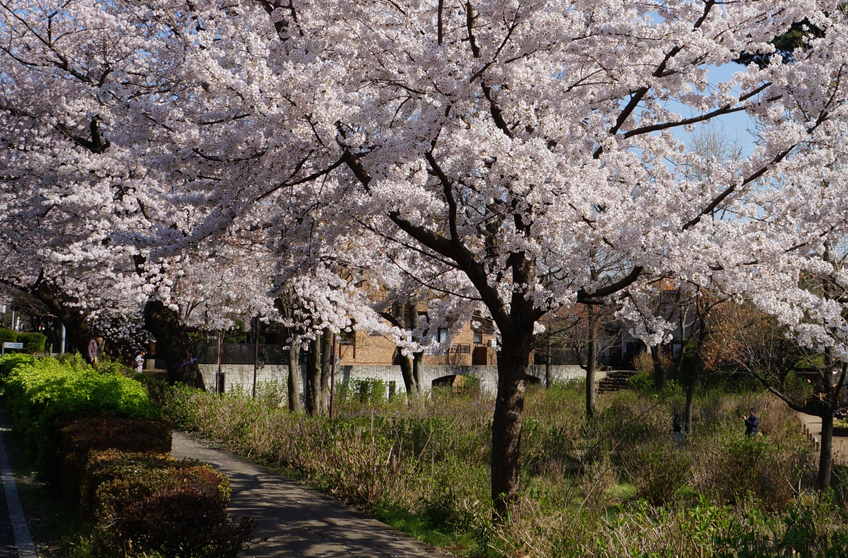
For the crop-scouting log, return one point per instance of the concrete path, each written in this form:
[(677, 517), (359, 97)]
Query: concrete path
[(15, 539), (293, 520), (840, 443)]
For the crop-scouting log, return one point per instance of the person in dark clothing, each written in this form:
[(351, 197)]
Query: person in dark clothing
[(678, 431), (751, 424)]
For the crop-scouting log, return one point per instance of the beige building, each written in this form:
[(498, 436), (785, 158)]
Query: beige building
[(471, 346)]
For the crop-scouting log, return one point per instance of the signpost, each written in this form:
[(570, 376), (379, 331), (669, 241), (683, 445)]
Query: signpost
[(11, 345)]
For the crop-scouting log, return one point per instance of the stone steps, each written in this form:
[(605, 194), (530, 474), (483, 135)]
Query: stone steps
[(615, 381)]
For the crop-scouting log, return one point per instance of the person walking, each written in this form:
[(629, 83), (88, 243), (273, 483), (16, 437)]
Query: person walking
[(751, 424)]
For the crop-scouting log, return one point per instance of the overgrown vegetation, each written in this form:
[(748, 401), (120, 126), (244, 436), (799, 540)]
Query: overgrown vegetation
[(613, 486)]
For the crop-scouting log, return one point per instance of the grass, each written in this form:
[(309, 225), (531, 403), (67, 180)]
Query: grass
[(419, 527), (422, 467), (610, 486), (624, 491)]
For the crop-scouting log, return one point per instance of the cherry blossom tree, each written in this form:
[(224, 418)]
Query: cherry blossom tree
[(70, 198), (483, 152), (497, 145)]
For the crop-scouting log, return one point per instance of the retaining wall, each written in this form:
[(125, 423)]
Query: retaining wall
[(240, 376)]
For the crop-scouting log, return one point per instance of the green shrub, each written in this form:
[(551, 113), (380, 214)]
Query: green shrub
[(445, 508), (144, 503), (106, 365), (11, 361), (79, 435), (370, 390), (46, 388), (33, 341), (643, 381), (741, 468), (8, 335), (658, 471), (816, 529)]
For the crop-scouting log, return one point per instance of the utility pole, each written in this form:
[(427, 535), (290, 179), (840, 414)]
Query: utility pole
[(219, 384), (333, 376), (255, 353)]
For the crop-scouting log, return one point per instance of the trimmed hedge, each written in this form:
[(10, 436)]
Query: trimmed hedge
[(101, 444), (8, 334), (43, 389), (143, 503), (33, 341), (78, 436)]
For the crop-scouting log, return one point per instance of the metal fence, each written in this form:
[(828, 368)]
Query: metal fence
[(557, 356), (241, 353)]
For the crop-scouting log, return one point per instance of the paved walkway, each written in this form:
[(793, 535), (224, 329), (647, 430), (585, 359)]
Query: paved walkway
[(293, 520), (15, 539), (840, 443)]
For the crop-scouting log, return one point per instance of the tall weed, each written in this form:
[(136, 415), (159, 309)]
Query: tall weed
[(429, 459)]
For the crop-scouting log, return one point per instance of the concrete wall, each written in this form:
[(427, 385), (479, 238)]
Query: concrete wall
[(241, 375)]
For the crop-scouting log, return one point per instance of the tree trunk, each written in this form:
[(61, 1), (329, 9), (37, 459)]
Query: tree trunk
[(416, 371), (406, 373), (412, 308), (690, 401), (77, 333), (659, 370), (826, 454), (548, 379), (509, 408), (293, 383), (591, 363), (312, 393), (172, 344), (326, 365), (410, 367)]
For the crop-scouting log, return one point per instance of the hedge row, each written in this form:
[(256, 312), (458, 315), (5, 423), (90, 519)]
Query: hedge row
[(33, 341), (104, 451), (39, 390)]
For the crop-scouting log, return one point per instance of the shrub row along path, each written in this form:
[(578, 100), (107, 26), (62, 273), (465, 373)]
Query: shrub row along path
[(293, 520)]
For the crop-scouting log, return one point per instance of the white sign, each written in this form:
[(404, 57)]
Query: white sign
[(11, 345)]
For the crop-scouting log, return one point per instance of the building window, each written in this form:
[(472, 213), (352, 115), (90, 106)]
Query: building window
[(347, 338), (442, 335), (478, 337)]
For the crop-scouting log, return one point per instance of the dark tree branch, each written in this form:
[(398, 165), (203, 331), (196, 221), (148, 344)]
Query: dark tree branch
[(659, 72), (96, 144), (455, 251), (441, 31), (721, 197), (447, 187), (593, 297), (727, 109)]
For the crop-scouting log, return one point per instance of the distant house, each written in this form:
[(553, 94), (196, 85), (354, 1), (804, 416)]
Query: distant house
[(473, 345), (620, 347)]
